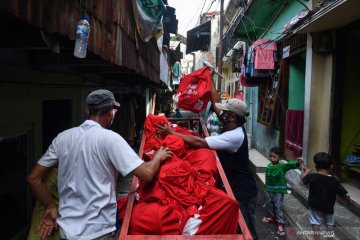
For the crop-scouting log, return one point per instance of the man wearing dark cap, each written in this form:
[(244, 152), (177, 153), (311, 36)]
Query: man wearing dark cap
[(89, 158), (232, 149)]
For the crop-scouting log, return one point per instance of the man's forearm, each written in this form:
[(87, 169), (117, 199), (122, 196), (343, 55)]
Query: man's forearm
[(306, 172), (42, 194), (193, 141), (39, 187), (153, 168), (215, 98)]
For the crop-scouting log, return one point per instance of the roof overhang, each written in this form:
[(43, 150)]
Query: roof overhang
[(198, 38), (256, 12), (335, 15), (113, 40)]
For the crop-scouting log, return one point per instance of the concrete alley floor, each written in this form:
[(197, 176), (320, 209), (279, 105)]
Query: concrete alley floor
[(265, 231)]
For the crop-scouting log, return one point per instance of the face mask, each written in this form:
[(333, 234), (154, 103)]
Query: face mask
[(224, 119)]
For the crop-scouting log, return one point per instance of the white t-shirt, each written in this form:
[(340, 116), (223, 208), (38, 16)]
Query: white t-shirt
[(89, 159), (229, 140)]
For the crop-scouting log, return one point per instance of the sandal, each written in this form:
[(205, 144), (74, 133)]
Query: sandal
[(281, 230), (268, 220), (281, 233)]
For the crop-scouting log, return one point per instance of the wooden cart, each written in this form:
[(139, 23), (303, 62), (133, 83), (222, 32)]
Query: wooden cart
[(192, 123)]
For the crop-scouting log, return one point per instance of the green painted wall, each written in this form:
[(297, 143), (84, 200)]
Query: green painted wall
[(350, 128), (287, 13), (263, 137), (297, 82)]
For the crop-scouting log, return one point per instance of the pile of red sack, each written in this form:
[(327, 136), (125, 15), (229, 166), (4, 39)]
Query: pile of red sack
[(183, 199)]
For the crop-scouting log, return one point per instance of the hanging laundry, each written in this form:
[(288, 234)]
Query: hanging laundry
[(258, 63), (246, 66), (176, 73), (294, 130), (264, 54)]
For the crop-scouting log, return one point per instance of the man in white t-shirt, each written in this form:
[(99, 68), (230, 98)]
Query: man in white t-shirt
[(89, 158), (232, 149)]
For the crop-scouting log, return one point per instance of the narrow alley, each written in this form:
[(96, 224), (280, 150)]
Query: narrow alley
[(258, 97)]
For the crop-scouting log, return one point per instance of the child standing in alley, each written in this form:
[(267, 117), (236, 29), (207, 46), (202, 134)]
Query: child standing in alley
[(323, 188), (275, 184)]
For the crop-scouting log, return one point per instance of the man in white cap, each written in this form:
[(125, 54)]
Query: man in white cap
[(89, 158), (232, 149)]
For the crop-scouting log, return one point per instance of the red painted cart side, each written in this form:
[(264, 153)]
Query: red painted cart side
[(131, 199)]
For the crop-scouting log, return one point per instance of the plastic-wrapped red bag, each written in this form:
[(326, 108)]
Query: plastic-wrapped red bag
[(194, 91)]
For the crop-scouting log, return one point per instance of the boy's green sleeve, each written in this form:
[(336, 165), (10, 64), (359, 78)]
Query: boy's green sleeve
[(291, 165)]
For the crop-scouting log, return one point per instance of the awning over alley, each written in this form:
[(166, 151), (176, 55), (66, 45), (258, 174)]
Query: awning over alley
[(116, 51), (327, 17)]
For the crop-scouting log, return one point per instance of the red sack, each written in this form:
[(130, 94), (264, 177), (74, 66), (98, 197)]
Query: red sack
[(175, 143), (121, 207), (153, 142), (150, 191), (185, 131), (154, 219), (184, 183), (194, 91), (205, 159), (218, 215)]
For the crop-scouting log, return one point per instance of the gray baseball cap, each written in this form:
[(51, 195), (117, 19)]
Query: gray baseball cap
[(101, 99), (235, 106)]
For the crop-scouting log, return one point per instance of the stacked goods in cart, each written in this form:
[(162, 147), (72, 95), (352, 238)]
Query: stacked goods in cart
[(185, 198)]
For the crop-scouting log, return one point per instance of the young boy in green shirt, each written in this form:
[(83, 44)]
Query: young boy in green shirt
[(275, 184)]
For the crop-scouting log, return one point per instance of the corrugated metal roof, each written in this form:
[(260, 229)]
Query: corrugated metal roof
[(112, 36)]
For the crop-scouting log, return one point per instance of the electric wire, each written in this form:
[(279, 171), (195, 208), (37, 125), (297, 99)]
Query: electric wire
[(199, 19), (196, 13), (281, 35), (210, 6)]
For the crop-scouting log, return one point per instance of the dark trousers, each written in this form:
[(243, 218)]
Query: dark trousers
[(247, 208), (274, 204)]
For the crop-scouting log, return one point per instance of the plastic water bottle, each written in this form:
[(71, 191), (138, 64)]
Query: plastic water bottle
[(82, 36)]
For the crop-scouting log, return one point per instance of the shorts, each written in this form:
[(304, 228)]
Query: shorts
[(318, 218)]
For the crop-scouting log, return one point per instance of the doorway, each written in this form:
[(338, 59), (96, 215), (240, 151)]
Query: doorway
[(13, 187), (56, 118)]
